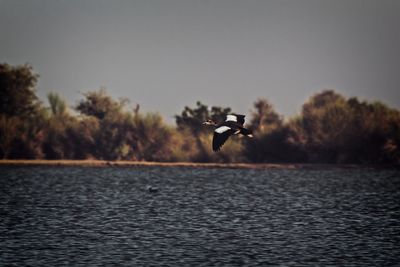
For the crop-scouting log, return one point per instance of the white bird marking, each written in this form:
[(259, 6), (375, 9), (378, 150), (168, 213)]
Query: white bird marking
[(231, 118), (222, 129)]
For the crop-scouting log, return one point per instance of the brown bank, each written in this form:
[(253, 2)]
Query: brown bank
[(104, 163)]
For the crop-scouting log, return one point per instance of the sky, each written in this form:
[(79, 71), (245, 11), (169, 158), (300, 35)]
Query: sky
[(168, 54)]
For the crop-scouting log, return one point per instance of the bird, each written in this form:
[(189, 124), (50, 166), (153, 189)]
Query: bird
[(232, 125), (151, 189)]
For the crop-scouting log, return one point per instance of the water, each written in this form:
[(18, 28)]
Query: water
[(82, 216)]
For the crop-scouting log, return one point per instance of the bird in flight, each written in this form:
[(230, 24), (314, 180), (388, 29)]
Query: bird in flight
[(232, 125)]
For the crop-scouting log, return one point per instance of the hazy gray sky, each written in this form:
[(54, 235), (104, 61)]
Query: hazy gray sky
[(166, 54)]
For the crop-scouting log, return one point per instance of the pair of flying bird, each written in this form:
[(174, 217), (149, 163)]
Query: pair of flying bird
[(231, 126)]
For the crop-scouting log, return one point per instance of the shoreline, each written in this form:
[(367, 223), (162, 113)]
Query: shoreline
[(105, 163)]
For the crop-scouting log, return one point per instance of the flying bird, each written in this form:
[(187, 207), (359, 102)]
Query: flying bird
[(231, 126)]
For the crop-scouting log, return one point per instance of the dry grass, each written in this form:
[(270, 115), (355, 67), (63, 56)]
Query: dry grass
[(104, 163)]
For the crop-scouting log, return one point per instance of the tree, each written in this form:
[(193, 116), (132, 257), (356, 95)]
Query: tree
[(81, 135), (268, 144), (153, 138), (115, 124), (17, 91), (22, 116), (325, 120), (27, 144), (99, 104), (8, 132), (340, 130), (264, 118), (278, 145), (191, 120), (58, 105), (374, 135)]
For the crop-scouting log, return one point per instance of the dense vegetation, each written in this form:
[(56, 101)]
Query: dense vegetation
[(330, 129)]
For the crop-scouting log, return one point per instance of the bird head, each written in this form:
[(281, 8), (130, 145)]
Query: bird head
[(209, 122)]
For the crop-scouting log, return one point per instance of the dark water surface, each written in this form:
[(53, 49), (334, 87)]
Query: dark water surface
[(83, 216)]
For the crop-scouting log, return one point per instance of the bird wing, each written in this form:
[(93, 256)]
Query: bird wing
[(235, 118), (221, 134)]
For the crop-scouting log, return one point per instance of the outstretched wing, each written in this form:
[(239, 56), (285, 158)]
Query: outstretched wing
[(235, 118), (221, 134)]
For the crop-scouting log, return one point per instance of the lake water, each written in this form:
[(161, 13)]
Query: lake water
[(86, 216)]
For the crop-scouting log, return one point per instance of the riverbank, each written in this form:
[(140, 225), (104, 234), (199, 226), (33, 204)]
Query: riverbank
[(105, 163)]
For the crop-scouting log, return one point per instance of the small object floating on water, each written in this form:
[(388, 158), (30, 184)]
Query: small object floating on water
[(231, 126), (151, 189)]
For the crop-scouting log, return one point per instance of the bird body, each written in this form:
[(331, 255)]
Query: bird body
[(231, 126), (151, 189)]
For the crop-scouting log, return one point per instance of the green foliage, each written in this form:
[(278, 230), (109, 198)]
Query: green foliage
[(192, 118), (58, 105), (276, 146), (81, 137), (232, 152), (330, 129), (325, 120), (22, 117), (109, 139), (99, 104), (8, 131), (153, 138), (374, 135), (182, 145), (271, 142), (340, 130), (264, 118), (30, 135)]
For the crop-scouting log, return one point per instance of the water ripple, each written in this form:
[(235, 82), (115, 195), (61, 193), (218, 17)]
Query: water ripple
[(107, 216)]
